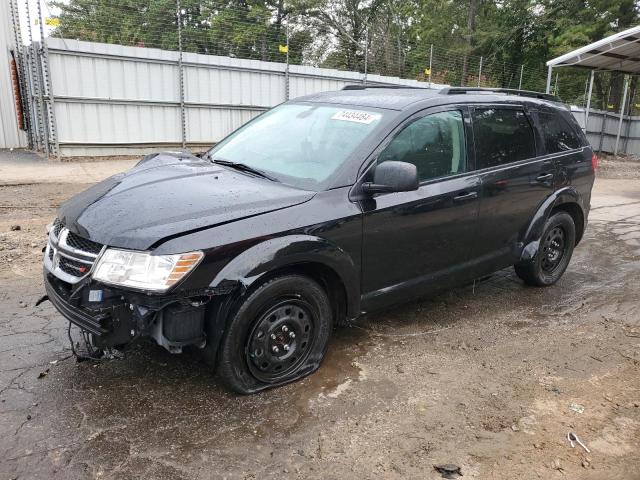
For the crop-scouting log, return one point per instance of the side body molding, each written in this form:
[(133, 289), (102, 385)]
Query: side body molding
[(289, 251), (532, 237)]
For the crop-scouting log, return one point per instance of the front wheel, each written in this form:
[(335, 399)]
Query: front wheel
[(279, 334), (554, 252)]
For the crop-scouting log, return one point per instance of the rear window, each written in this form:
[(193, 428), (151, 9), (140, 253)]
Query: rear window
[(559, 136), (502, 136)]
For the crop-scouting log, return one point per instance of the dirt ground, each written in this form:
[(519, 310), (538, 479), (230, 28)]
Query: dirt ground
[(490, 377), (619, 167)]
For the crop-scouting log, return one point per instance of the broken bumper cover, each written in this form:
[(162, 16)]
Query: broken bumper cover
[(110, 323), (120, 316), (75, 315)]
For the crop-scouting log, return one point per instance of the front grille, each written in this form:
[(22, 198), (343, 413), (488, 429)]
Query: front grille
[(83, 244), (57, 226), (70, 256), (72, 267)]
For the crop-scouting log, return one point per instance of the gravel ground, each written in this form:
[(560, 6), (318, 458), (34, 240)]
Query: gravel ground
[(619, 167), (490, 377)]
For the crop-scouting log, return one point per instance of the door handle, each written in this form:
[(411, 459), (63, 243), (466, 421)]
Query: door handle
[(545, 177), (465, 196)]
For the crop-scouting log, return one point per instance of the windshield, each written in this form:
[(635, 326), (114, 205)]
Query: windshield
[(297, 143)]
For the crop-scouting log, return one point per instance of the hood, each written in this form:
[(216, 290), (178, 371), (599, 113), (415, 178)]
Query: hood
[(170, 194)]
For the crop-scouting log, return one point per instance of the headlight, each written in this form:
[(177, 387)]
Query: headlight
[(143, 270)]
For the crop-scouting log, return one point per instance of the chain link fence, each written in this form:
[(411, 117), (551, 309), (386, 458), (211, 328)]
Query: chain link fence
[(372, 48)]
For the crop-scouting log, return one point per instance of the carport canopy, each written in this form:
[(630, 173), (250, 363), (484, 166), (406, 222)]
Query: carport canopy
[(619, 52)]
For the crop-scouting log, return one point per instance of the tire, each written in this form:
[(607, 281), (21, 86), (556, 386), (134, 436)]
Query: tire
[(556, 247), (279, 334)]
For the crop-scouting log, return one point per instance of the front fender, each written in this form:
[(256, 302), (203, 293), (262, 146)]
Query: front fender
[(253, 264), (533, 234)]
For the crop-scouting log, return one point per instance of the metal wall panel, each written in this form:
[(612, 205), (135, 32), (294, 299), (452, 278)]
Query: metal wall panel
[(10, 135), (112, 99), (603, 128), (205, 124), (104, 123)]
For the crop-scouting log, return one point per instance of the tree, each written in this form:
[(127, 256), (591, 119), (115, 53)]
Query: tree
[(395, 34), (237, 28)]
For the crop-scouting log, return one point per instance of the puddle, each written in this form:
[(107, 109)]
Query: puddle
[(155, 398)]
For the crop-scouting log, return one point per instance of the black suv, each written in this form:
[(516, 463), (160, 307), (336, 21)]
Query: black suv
[(315, 212)]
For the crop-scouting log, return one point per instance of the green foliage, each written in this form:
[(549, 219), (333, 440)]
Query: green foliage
[(396, 34)]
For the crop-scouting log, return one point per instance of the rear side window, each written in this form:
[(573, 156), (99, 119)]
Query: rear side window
[(502, 136), (559, 136)]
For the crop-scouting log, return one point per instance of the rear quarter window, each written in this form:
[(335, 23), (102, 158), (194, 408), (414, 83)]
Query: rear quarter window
[(558, 134)]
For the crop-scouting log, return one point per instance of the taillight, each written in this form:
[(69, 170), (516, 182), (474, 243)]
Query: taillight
[(594, 162)]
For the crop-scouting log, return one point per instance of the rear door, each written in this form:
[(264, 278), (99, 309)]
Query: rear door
[(414, 240), (516, 179)]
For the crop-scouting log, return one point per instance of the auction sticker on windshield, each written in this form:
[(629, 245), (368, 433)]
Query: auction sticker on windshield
[(356, 116)]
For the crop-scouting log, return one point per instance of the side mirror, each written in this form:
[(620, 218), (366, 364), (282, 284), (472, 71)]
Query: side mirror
[(392, 176)]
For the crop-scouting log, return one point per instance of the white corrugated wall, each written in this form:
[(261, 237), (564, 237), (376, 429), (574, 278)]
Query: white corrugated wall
[(10, 135), (115, 99)]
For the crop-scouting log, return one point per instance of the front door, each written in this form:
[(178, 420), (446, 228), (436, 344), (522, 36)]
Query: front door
[(413, 241)]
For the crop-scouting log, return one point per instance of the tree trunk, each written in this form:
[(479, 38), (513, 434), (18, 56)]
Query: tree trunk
[(471, 30)]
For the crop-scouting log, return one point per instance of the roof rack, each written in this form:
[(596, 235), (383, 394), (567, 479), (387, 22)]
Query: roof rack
[(508, 91), (365, 87)]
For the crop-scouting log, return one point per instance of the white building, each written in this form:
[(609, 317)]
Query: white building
[(10, 135)]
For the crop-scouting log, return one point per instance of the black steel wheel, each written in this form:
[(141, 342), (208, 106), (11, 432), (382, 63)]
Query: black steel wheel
[(553, 249), (278, 334), (280, 340), (554, 252)]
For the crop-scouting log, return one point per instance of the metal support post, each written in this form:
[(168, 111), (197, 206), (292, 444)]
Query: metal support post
[(40, 143), (480, 71), (20, 60), (604, 120), (286, 68), (44, 129), (30, 95), (430, 63), (549, 73), (51, 127), (521, 73), (624, 100), (183, 119), (366, 55), (625, 144), (586, 113)]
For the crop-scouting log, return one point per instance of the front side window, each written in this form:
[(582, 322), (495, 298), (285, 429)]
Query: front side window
[(558, 134), (434, 144), (502, 136), (299, 144)]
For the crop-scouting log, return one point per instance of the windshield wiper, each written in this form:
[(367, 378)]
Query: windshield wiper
[(245, 168)]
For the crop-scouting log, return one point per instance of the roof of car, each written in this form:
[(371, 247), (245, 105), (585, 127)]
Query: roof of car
[(400, 98), (386, 97)]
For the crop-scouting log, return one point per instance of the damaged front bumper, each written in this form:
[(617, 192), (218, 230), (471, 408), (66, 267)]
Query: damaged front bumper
[(116, 317)]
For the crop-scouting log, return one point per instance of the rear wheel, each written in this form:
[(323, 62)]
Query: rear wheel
[(279, 334), (554, 253)]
